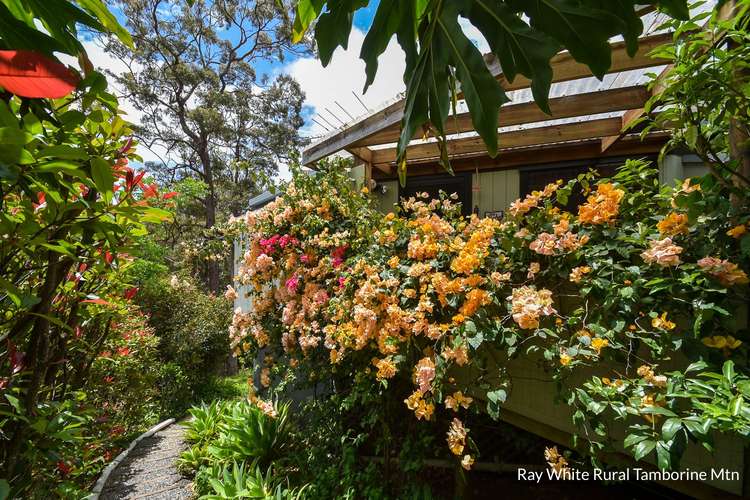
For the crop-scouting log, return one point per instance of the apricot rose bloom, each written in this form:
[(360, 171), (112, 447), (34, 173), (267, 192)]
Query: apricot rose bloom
[(457, 437), (723, 271), (577, 273), (662, 252), (231, 293), (458, 400), (673, 224), (424, 373), (601, 207), (528, 304)]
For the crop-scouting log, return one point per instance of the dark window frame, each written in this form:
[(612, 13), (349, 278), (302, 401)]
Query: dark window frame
[(421, 183)]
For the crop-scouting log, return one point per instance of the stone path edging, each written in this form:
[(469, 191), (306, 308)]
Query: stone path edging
[(102, 481)]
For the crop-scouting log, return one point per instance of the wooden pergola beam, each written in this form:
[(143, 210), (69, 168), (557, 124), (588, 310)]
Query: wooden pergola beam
[(583, 150), (365, 156), (564, 68), (527, 137), (589, 103), (628, 118)]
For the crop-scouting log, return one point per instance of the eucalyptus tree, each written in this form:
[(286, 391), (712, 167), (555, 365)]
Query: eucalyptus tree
[(212, 115)]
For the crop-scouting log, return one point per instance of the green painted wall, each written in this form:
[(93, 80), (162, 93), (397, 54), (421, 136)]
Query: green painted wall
[(358, 175), (497, 190), (385, 201)]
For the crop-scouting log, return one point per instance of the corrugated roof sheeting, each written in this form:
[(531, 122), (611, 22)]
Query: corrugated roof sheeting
[(652, 21)]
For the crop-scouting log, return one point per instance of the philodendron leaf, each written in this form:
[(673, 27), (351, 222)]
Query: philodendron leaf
[(678, 8), (307, 12), (392, 17), (334, 26), (582, 29), (99, 9), (518, 47), (632, 23), (481, 91)]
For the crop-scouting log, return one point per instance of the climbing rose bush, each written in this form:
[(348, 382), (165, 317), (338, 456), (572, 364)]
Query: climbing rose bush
[(638, 277)]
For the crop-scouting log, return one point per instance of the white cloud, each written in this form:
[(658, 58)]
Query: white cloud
[(345, 73)]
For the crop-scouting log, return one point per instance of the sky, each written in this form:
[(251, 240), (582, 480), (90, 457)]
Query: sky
[(327, 90)]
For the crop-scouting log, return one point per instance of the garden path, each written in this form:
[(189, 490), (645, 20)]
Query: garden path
[(149, 471)]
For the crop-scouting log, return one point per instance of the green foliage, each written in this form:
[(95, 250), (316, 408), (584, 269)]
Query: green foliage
[(192, 459), (19, 28), (232, 126), (238, 431), (439, 56), (204, 422), (704, 96), (248, 434), (122, 379), (231, 440), (192, 330), (243, 481)]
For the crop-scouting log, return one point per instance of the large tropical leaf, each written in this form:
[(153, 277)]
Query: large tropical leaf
[(16, 34), (307, 12), (582, 29), (518, 47), (99, 10), (392, 17), (480, 89), (524, 35), (334, 26)]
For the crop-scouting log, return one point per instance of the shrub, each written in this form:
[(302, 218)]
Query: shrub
[(239, 431), (249, 433), (192, 330), (243, 481), (425, 309), (122, 381)]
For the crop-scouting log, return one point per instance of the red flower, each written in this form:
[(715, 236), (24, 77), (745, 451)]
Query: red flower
[(116, 431), (123, 351), (108, 379), (64, 468), (16, 358), (130, 293), (40, 201), (169, 195), (338, 255)]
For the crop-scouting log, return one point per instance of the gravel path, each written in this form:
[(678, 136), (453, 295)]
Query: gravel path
[(149, 470)]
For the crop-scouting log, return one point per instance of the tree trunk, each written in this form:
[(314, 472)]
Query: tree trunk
[(213, 265), (37, 355)]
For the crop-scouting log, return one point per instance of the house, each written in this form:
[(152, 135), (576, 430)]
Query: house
[(589, 127), (585, 130)]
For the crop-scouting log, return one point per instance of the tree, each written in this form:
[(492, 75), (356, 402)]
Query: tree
[(193, 76), (70, 208), (523, 34)]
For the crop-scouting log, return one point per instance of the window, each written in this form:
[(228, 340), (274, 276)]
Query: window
[(534, 179), (433, 184)]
